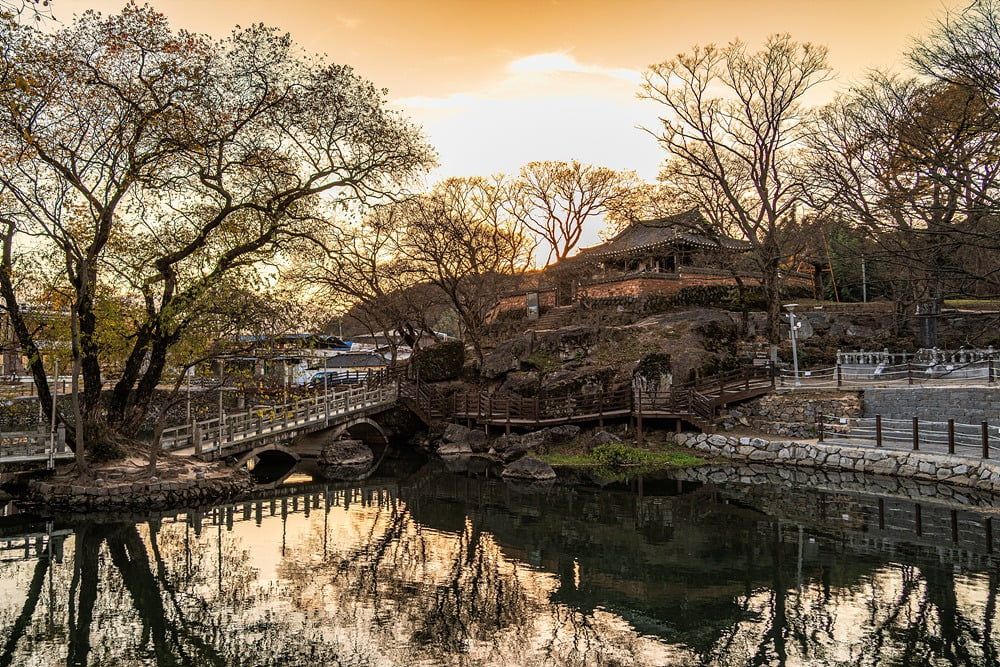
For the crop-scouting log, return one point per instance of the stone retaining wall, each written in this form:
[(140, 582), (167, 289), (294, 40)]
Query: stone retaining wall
[(955, 470), (969, 405), (792, 414), (138, 495)]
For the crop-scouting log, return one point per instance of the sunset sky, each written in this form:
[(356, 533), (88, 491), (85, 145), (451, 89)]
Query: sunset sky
[(498, 84)]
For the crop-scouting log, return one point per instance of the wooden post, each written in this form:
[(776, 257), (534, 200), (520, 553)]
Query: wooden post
[(538, 414), (196, 437), (951, 436), (986, 440), (916, 434), (840, 378), (909, 374), (507, 426), (878, 430), (600, 410), (819, 426), (989, 372)]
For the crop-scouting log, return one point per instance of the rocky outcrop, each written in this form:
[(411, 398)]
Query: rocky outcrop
[(513, 446), (346, 453), (530, 470), (458, 439)]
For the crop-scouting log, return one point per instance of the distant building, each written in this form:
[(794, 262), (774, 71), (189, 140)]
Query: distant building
[(648, 257)]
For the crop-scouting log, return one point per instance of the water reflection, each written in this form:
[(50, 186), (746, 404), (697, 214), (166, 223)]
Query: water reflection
[(432, 567)]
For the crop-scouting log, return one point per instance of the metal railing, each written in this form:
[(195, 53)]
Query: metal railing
[(859, 376), (914, 434), (42, 444)]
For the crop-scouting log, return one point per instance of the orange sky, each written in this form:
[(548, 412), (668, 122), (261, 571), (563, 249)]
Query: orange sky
[(497, 84)]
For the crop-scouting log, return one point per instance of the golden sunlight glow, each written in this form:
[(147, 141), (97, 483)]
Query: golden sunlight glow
[(499, 84)]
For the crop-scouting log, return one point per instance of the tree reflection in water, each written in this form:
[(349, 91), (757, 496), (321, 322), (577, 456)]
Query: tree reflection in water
[(483, 577)]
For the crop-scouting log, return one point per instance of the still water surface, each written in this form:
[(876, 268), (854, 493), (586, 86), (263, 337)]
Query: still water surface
[(421, 565)]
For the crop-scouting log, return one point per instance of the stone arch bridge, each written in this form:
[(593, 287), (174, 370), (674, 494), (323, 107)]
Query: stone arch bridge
[(287, 431)]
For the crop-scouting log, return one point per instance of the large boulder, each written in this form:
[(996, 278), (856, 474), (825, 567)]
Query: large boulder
[(528, 469), (454, 449), (462, 435), (602, 438), (346, 453), (505, 442), (539, 441)]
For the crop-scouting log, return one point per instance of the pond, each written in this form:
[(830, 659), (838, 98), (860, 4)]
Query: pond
[(426, 564)]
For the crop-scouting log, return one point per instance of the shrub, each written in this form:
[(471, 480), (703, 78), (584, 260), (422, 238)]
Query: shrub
[(619, 454), (439, 362)]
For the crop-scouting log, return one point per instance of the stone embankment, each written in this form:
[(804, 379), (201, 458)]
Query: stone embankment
[(152, 494), (793, 414), (969, 405), (959, 471)]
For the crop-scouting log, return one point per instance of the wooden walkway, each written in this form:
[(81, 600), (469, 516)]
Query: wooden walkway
[(696, 403)]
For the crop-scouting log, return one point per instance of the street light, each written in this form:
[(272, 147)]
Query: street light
[(793, 325)]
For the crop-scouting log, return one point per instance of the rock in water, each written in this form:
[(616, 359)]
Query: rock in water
[(346, 453), (454, 449), (529, 469)]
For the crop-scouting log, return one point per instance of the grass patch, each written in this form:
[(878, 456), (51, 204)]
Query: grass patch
[(620, 455), (543, 361)]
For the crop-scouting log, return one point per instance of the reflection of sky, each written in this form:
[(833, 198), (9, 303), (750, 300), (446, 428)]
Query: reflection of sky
[(387, 590)]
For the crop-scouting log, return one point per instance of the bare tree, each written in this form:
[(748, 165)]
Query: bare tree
[(556, 200), (458, 238), (913, 163), (360, 267), (732, 126)]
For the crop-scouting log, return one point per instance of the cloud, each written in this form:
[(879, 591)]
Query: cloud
[(546, 106), (551, 63)]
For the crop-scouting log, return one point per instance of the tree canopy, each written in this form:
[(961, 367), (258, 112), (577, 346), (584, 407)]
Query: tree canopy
[(153, 165)]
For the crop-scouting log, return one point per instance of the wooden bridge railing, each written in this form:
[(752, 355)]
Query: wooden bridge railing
[(216, 434), (694, 400)]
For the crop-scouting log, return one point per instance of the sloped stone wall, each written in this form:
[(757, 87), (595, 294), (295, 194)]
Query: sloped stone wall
[(792, 414), (960, 471)]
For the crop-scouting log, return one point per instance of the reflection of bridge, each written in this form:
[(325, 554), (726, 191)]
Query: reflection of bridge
[(251, 431), (901, 521)]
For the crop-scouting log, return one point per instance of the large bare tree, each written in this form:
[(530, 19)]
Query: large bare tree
[(154, 163), (732, 125), (459, 238), (556, 200)]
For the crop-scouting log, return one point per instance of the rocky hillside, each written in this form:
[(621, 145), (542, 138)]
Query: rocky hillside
[(660, 349)]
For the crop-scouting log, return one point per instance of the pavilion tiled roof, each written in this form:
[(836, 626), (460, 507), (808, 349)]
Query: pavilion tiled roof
[(643, 235)]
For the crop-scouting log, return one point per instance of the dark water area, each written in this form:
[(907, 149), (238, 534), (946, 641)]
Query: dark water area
[(433, 564)]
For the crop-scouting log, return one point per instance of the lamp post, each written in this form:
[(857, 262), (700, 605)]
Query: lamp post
[(793, 325)]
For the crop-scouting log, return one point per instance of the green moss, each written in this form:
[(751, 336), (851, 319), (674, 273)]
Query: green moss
[(542, 361)]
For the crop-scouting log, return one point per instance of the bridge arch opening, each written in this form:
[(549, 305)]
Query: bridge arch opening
[(364, 429)]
